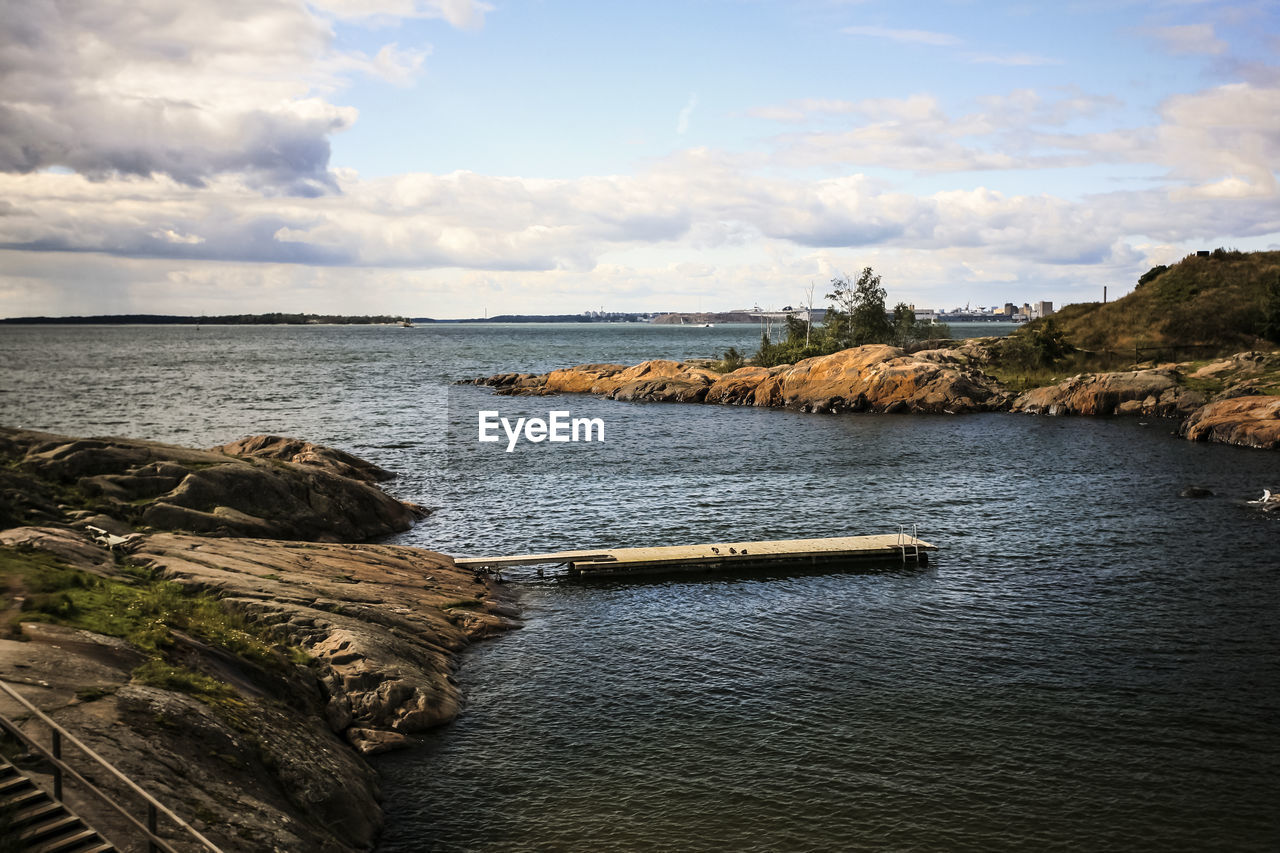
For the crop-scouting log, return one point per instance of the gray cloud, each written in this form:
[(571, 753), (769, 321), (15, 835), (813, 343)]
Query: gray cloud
[(187, 90)]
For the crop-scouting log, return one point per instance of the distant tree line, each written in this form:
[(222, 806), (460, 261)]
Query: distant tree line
[(272, 319)]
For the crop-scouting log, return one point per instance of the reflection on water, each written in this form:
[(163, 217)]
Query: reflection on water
[(1090, 662)]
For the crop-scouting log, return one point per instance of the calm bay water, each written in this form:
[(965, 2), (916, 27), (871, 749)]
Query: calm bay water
[(1090, 662)]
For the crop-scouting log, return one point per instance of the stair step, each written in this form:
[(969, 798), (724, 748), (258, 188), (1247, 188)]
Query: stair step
[(25, 799), (11, 786), (69, 843), (50, 829), (42, 811)]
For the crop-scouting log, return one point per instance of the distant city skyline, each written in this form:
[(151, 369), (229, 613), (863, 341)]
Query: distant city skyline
[(451, 157)]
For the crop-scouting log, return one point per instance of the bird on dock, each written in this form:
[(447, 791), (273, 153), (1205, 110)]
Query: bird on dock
[(733, 550), (715, 550), (1267, 502)]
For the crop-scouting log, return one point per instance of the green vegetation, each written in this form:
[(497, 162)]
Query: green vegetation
[(856, 316), (1040, 345), (1035, 355), (730, 361), (1199, 307), (1271, 310), (142, 609)]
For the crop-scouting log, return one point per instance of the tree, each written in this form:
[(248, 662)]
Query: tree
[(858, 314), (904, 325), (808, 315)]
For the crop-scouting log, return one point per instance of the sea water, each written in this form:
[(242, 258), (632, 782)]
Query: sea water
[(1090, 661)]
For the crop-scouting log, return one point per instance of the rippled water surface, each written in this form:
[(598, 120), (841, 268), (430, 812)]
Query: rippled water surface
[(1091, 662)]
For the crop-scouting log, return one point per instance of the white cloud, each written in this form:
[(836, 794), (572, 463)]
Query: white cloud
[(1017, 59), (694, 203), (465, 14), (1193, 39), (926, 37), (682, 121), (174, 237)]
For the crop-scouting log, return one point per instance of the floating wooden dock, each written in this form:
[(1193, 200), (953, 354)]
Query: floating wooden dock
[(889, 548)]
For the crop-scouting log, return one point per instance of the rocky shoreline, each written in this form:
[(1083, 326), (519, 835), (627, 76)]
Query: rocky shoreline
[(1224, 401), (190, 615)]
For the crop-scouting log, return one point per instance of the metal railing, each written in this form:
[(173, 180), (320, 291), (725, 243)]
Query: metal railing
[(61, 769), (908, 541)]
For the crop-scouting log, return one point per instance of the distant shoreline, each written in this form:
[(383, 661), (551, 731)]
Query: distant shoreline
[(386, 320), (276, 319), (220, 320)]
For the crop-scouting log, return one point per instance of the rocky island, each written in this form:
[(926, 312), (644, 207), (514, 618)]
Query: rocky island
[(1232, 400), (198, 618), (1192, 342)]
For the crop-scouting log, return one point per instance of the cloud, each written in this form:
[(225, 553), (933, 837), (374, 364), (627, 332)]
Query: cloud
[(693, 203), (913, 108), (682, 121), (1018, 59), (189, 90), (904, 36), (926, 37), (464, 14), (1230, 131), (1190, 39)]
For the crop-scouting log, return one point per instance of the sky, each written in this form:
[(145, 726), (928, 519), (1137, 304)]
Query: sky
[(457, 158)]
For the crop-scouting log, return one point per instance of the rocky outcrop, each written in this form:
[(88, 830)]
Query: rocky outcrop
[(583, 379), (881, 378), (1243, 374), (950, 379), (270, 764), (253, 726), (305, 453), (1155, 392), (870, 378), (1246, 421), (381, 621), (318, 494)]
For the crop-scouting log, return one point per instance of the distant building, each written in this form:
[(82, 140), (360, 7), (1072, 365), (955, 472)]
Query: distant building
[(1044, 308)]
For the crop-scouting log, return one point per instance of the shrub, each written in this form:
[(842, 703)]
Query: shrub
[(731, 360)]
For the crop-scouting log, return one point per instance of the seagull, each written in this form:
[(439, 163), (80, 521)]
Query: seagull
[(1262, 501), (715, 550)]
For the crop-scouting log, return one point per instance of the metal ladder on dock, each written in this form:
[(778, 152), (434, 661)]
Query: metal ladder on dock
[(907, 542), (31, 820)]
